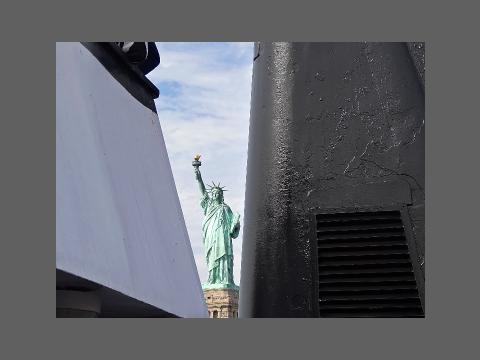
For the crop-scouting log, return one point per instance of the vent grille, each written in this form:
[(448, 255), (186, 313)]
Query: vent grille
[(364, 266)]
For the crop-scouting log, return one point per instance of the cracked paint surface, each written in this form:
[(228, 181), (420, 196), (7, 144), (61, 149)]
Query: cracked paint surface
[(333, 125)]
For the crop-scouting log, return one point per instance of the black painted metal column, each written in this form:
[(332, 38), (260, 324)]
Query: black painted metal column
[(333, 126), (272, 257)]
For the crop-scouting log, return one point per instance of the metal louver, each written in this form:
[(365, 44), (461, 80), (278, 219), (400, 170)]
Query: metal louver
[(364, 266)]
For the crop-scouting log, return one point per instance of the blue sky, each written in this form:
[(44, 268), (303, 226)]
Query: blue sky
[(204, 107)]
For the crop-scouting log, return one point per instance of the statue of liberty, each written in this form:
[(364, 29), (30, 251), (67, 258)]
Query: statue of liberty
[(220, 225)]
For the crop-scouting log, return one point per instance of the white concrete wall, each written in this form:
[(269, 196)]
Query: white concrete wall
[(119, 221)]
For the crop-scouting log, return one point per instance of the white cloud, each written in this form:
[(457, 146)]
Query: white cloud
[(204, 107)]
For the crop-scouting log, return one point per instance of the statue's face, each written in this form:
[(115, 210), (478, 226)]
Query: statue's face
[(217, 194)]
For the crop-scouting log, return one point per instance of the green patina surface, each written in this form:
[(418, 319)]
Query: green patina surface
[(220, 225)]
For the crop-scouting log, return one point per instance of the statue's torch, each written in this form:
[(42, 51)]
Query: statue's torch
[(196, 162)]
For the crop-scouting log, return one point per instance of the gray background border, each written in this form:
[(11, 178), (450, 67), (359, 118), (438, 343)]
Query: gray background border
[(28, 182)]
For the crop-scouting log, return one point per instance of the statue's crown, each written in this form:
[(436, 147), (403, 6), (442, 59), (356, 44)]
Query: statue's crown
[(215, 186)]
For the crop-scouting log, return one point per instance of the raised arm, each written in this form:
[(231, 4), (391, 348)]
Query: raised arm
[(198, 176)]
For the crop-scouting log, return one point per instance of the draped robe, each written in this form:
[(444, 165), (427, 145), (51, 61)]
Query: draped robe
[(219, 226)]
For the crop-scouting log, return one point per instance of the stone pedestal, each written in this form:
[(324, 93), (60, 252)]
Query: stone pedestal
[(222, 303)]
